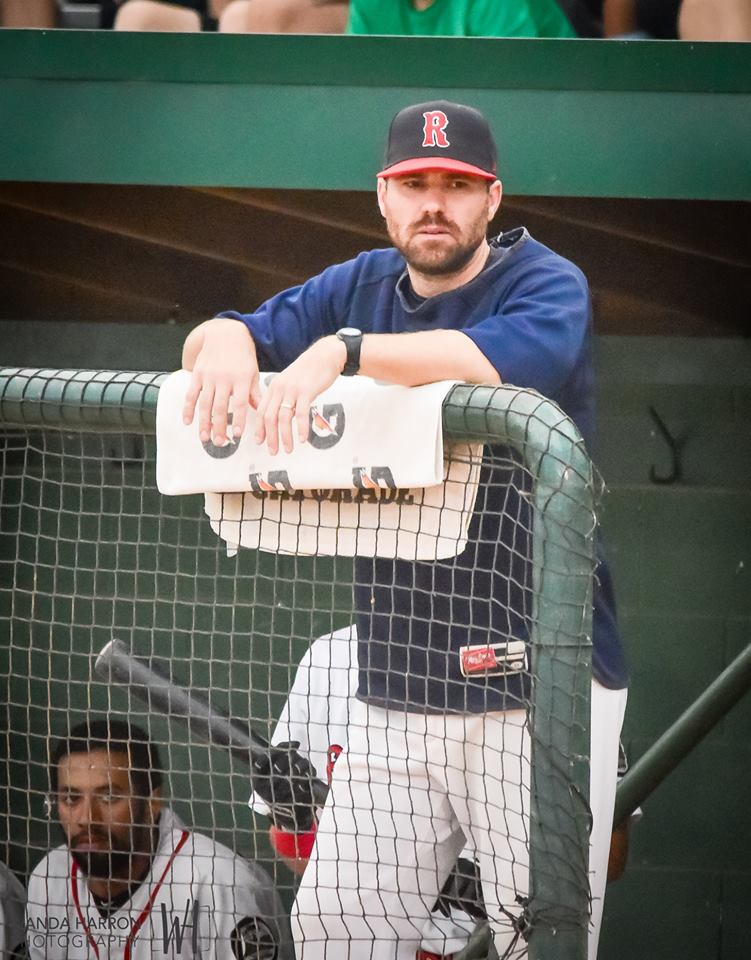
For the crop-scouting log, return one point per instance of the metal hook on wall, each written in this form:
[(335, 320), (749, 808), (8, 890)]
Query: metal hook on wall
[(674, 445)]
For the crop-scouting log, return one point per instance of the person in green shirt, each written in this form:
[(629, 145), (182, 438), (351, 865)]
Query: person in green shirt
[(459, 18)]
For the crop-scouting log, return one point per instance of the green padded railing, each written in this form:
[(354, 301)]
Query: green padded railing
[(79, 400), (564, 523)]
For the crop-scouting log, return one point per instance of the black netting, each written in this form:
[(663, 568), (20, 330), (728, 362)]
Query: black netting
[(475, 669)]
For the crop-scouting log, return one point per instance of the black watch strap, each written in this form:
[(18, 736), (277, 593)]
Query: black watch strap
[(352, 340)]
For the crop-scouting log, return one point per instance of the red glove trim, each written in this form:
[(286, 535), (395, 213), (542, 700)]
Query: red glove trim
[(294, 846)]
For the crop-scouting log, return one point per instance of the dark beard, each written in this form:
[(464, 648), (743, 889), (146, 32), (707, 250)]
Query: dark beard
[(116, 863), (453, 264), (103, 864), (454, 261)]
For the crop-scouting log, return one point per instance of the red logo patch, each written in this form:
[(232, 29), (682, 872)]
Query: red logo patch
[(434, 130), (475, 661)]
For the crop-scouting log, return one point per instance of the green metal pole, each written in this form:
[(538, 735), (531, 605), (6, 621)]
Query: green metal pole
[(563, 561), (681, 738)]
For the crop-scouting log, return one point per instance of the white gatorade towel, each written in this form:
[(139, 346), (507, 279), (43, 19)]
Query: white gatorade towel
[(372, 479)]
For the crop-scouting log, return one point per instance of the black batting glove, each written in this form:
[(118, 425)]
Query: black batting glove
[(284, 779), (463, 891)]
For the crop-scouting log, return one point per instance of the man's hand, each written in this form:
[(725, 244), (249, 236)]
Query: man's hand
[(222, 356), (290, 394)]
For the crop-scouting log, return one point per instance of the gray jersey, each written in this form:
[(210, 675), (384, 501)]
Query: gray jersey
[(198, 900), (12, 900)]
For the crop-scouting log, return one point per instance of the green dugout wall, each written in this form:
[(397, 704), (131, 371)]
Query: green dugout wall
[(579, 118), (648, 120)]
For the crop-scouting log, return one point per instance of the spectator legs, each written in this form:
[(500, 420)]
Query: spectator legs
[(28, 13), (715, 20), (283, 16), (152, 15)]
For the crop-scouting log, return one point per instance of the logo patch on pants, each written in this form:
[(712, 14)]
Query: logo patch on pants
[(493, 660)]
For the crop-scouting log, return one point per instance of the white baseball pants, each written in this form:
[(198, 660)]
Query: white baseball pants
[(408, 794)]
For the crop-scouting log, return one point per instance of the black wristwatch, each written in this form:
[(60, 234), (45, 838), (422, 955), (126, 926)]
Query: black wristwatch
[(351, 337)]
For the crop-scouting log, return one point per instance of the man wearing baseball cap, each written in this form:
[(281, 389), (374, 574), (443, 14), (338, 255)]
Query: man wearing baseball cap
[(435, 759)]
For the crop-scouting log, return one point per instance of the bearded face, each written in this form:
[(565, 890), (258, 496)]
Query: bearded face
[(106, 824), (435, 246), (106, 852), (437, 220)]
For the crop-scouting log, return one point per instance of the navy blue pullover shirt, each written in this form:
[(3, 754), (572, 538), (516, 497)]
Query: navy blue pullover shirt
[(529, 312)]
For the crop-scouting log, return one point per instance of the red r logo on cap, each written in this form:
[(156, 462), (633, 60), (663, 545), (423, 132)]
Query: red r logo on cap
[(436, 122)]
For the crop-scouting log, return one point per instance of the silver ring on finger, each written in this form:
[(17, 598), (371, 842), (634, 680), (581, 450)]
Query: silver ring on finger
[(287, 406)]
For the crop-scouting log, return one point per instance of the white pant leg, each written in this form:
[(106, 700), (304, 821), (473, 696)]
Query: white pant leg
[(608, 708), (495, 817), (488, 774), (386, 842)]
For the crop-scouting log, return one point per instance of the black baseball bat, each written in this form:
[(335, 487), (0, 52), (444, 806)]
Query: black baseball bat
[(116, 665)]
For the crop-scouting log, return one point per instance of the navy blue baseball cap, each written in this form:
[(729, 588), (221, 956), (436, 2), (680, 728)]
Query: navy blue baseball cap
[(440, 135)]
